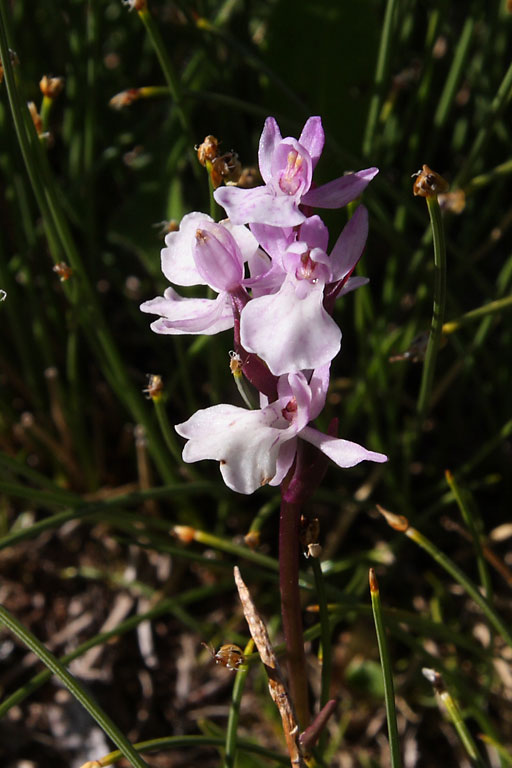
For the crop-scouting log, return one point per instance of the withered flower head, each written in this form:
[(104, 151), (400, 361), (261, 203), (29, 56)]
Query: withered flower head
[(428, 183), (208, 150), (51, 86), (125, 98)]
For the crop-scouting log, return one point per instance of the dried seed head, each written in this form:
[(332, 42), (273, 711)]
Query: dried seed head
[(14, 61), (125, 98), (51, 86), (428, 183), (398, 522), (208, 150), (226, 168), (155, 387), (235, 364), (249, 178), (252, 539), (229, 655), (184, 533), (455, 201), (309, 533), (36, 117), (63, 270)]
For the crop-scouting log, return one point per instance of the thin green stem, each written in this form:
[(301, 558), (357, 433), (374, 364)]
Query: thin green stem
[(103, 720), (172, 81), (381, 72), (492, 308), (234, 711), (467, 516), (178, 742), (326, 631), (497, 106), (455, 716), (164, 606), (389, 693), (472, 590), (438, 308), (325, 640)]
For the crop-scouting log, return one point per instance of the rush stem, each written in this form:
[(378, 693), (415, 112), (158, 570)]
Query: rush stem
[(291, 608)]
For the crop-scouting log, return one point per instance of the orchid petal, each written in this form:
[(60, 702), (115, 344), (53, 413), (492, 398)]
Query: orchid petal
[(312, 138), (344, 453), (314, 233), (319, 384), (244, 442), (178, 263), (285, 459), (270, 138), (180, 315), (350, 244), (260, 204), (290, 334), (337, 193)]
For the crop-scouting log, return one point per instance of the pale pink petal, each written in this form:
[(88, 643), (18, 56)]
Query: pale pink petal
[(284, 461), (218, 258), (337, 193), (270, 138), (314, 233), (180, 315), (260, 204), (353, 283), (178, 263), (350, 244), (343, 452), (290, 334), (312, 138), (319, 384), (244, 442)]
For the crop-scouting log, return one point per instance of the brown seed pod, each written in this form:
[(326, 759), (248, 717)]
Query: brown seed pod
[(155, 386), (208, 150), (229, 655), (428, 183)]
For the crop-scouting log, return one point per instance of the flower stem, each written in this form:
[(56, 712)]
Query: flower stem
[(438, 308), (291, 608)]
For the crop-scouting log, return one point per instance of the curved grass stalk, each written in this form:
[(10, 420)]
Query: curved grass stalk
[(381, 71), (178, 742), (103, 720), (389, 694), (438, 311), (160, 608), (234, 711)]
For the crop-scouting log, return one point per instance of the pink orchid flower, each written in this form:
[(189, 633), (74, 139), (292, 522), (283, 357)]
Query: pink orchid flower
[(286, 166), (258, 447)]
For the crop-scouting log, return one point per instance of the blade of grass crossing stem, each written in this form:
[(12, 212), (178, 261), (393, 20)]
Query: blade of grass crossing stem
[(389, 693), (380, 76), (234, 710), (103, 720), (401, 523), (454, 713), (178, 742), (463, 580), (438, 311), (470, 522), (164, 606), (497, 106)]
